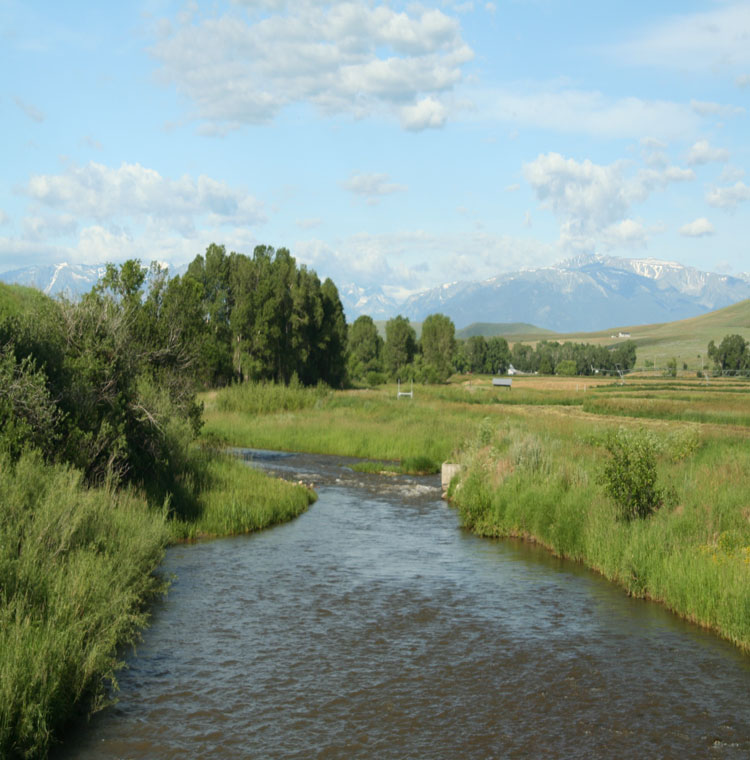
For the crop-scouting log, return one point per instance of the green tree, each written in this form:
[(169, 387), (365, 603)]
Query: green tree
[(498, 355), (731, 354), (400, 345), (476, 353), (566, 368), (438, 345), (365, 348), (630, 476)]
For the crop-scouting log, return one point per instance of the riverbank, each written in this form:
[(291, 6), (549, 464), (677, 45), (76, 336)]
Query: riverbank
[(533, 459), (543, 482), (79, 567)]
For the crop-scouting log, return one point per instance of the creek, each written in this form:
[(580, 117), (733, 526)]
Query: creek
[(373, 626)]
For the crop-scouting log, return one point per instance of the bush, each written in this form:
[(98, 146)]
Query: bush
[(630, 475), (374, 378)]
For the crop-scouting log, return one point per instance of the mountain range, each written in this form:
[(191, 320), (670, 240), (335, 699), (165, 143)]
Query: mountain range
[(585, 293)]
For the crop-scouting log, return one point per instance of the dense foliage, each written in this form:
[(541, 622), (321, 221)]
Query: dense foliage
[(630, 476), (731, 356), (438, 354), (265, 318), (551, 357)]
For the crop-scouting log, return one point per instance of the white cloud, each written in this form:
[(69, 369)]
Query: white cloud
[(343, 57), (628, 233), (743, 80), (703, 152), (385, 260), (4, 218), (48, 226), (697, 41), (698, 228), (514, 188), (705, 108), (731, 173), (428, 112), (30, 110), (134, 192), (676, 174), (371, 186), (587, 112), (593, 201), (728, 197)]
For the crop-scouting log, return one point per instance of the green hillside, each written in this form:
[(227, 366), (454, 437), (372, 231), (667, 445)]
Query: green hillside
[(686, 340), (16, 299), (504, 329)]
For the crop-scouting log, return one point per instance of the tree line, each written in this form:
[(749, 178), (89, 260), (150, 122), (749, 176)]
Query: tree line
[(438, 353)]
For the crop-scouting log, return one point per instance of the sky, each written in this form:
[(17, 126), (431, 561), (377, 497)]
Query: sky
[(394, 145)]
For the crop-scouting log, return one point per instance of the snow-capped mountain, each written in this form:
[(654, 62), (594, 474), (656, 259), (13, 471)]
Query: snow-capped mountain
[(69, 280), (374, 302), (585, 293)]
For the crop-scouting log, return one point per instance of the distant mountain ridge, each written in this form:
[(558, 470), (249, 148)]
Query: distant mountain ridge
[(581, 294), (70, 280)]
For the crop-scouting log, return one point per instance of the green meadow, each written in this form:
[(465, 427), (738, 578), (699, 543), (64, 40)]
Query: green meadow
[(533, 461)]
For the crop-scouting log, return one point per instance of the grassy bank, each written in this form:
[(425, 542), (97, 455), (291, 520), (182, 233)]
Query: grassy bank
[(78, 567), (234, 498), (543, 482), (371, 424), (534, 458)]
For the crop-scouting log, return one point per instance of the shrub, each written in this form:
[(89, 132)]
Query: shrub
[(630, 474)]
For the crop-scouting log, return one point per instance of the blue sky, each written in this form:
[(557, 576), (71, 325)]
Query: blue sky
[(399, 145)]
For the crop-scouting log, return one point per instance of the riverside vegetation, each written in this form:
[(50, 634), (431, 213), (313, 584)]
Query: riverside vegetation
[(551, 463), (101, 468), (107, 455)]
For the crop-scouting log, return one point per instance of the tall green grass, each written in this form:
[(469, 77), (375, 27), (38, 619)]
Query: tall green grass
[(234, 498), (369, 423), (693, 555), (76, 570), (78, 567)]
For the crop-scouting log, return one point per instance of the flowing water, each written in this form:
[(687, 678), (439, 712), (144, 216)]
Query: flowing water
[(374, 627)]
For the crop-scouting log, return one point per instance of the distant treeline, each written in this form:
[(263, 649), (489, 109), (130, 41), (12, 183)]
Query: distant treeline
[(438, 353)]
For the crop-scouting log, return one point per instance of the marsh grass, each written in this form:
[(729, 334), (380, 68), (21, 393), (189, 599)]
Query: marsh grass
[(370, 424)]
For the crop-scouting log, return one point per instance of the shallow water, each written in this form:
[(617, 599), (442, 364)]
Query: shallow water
[(374, 627)]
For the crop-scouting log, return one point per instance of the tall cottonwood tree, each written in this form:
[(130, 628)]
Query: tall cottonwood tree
[(438, 344), (271, 319), (400, 345)]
